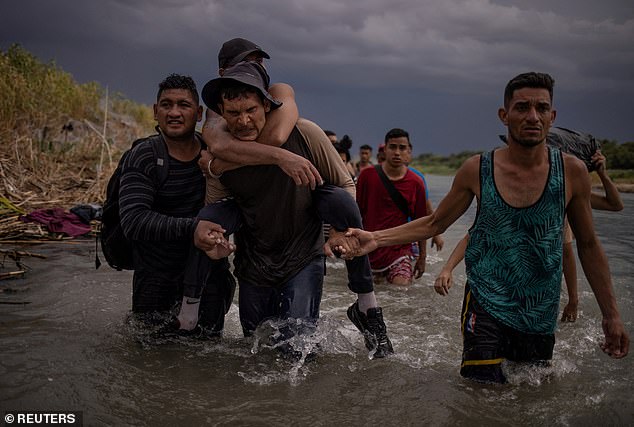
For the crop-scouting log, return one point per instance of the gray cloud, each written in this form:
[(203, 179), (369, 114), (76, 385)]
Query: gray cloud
[(459, 51)]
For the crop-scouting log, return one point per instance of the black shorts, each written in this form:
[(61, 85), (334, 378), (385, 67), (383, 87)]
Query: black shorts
[(487, 343)]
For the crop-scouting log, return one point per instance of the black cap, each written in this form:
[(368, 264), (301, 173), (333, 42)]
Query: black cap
[(235, 50), (246, 72)]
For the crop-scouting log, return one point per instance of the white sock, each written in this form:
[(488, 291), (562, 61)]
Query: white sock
[(367, 301), (188, 316)]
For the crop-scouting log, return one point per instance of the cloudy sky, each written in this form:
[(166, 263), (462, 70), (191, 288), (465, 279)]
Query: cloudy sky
[(436, 68)]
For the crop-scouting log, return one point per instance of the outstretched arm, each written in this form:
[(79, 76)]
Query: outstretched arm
[(444, 281), (465, 186), (592, 257), (436, 240), (612, 199), (422, 207)]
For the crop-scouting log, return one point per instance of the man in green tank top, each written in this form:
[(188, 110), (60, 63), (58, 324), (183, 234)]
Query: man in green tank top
[(524, 191)]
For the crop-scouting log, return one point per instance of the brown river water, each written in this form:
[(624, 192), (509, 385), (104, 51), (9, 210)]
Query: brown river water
[(67, 344)]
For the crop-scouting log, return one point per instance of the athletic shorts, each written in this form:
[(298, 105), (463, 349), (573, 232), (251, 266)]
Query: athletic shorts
[(487, 343), (402, 267)]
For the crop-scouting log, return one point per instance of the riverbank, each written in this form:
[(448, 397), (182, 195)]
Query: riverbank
[(622, 178), (622, 187)]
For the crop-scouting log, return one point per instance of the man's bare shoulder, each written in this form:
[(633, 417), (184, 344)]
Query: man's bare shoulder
[(577, 176), (573, 164), (471, 165), (468, 175)]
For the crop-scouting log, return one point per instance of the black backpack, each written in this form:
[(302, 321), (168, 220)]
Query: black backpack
[(115, 246), (580, 145)]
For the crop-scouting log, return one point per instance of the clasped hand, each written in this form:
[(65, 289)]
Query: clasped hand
[(209, 237), (349, 244), (340, 245)]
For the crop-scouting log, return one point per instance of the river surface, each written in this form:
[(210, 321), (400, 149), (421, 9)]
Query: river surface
[(72, 347)]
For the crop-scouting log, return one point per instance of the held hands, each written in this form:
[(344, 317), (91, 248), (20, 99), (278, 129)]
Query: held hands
[(617, 341), (209, 237), (340, 245), (366, 239)]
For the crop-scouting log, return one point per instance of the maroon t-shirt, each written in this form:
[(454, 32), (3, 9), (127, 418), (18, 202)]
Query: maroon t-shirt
[(379, 211)]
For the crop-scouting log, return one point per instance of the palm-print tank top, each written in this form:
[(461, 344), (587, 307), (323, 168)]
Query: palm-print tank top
[(514, 256)]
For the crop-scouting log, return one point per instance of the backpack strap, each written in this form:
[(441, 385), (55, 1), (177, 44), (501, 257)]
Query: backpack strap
[(161, 154), (396, 196), (162, 158)]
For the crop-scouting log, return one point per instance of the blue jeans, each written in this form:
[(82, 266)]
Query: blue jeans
[(298, 298)]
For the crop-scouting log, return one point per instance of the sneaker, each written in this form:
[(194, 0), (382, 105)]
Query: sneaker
[(373, 329), (295, 356), (172, 329)]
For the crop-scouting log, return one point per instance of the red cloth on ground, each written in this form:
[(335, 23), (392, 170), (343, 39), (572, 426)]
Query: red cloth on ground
[(57, 220), (379, 211)]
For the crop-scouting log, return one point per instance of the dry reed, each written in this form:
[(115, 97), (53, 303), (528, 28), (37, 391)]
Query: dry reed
[(51, 151)]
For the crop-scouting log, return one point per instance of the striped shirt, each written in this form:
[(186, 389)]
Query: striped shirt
[(160, 221)]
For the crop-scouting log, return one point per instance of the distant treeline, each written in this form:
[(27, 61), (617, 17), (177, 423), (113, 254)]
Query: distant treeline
[(619, 156), (452, 161)]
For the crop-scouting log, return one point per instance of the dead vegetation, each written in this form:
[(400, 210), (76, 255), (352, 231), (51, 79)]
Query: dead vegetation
[(59, 144)]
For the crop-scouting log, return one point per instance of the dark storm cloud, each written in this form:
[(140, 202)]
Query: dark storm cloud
[(436, 68)]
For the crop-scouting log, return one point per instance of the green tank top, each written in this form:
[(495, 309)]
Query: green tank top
[(514, 256)]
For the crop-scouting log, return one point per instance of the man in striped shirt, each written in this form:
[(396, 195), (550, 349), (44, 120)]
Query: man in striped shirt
[(160, 218)]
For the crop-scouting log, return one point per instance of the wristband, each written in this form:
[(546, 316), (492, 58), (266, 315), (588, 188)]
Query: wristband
[(211, 174)]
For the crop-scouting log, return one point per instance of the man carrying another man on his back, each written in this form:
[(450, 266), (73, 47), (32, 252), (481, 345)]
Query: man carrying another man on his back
[(333, 204), (279, 258)]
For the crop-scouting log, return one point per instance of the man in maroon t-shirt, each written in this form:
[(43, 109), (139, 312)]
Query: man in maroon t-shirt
[(380, 211)]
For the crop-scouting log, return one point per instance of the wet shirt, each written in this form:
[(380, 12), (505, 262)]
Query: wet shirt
[(160, 221), (514, 255), (281, 232)]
